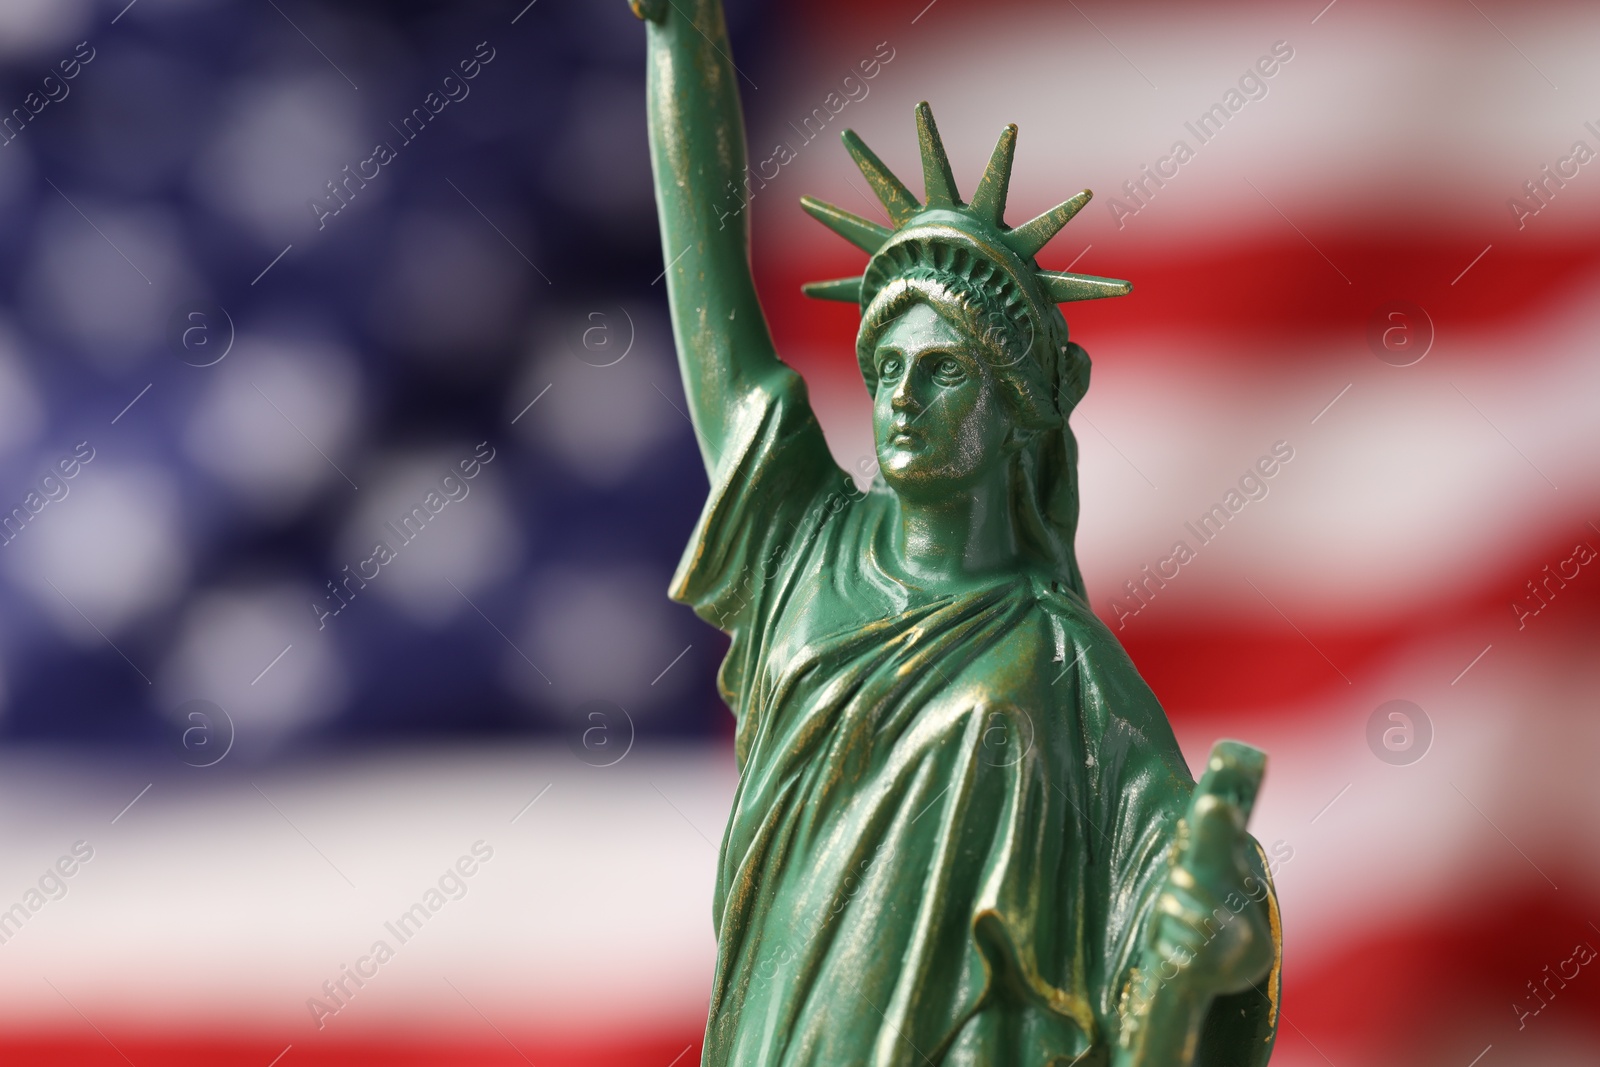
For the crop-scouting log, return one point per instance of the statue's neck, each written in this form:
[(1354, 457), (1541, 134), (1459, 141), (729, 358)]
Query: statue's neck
[(957, 539)]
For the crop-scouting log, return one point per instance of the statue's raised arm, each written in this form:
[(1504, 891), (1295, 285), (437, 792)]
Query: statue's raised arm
[(697, 154)]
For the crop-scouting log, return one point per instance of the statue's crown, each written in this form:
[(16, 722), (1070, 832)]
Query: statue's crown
[(944, 232)]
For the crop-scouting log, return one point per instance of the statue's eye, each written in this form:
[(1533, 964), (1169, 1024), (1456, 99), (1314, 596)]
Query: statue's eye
[(948, 371), (889, 369)]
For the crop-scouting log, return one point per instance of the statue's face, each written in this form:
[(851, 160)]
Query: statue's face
[(937, 416)]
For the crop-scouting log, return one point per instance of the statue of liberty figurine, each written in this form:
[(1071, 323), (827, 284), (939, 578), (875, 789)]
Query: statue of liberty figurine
[(964, 835)]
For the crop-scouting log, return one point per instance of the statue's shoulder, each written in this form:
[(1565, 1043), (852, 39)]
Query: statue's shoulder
[(1053, 665), (1088, 651), (1047, 636), (1071, 614)]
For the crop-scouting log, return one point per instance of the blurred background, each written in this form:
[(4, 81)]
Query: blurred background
[(285, 280)]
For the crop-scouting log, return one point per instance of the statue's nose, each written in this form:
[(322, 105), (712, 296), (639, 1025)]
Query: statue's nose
[(903, 400)]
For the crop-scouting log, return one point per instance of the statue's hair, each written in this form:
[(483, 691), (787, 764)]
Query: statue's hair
[(1040, 379)]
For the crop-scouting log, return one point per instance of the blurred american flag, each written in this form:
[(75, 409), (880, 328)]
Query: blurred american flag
[(1428, 541)]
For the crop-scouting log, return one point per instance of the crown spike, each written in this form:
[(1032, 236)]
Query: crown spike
[(897, 199), (1027, 239), (863, 233), (846, 289), (1064, 287), (989, 202), (938, 181)]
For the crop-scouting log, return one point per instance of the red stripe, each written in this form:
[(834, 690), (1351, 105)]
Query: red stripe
[(88, 1049), (1443, 989), (1264, 301), (1199, 665)]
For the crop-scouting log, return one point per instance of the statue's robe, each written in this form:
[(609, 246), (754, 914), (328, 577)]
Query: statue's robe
[(955, 810)]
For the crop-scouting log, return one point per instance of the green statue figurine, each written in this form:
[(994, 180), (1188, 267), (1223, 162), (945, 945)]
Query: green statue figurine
[(964, 834)]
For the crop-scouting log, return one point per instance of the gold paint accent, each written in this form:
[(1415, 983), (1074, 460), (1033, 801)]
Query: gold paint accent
[(939, 182), (847, 290), (1034, 234), (1065, 288), (863, 233), (989, 202), (1275, 921), (890, 190)]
